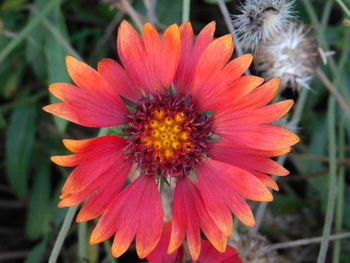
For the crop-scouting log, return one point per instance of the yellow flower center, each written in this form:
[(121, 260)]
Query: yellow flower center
[(167, 134)]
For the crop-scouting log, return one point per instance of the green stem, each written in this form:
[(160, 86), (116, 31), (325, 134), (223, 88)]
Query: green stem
[(186, 7), (62, 234), (314, 19), (340, 195), (344, 7), (102, 132), (326, 12), (107, 247), (228, 21), (344, 56), (82, 241), (27, 29), (332, 181), (299, 107)]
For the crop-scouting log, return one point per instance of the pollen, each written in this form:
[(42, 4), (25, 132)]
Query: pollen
[(165, 134)]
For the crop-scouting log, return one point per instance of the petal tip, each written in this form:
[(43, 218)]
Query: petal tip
[(124, 25), (95, 238), (81, 218), (211, 25), (172, 247), (187, 23), (275, 81), (142, 253), (70, 60), (149, 27), (45, 108), (117, 251), (249, 58), (61, 204), (55, 159), (53, 108), (173, 30)]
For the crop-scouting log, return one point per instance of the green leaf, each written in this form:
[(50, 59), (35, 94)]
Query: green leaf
[(2, 121), (37, 223), (19, 144), (11, 4), (56, 65), (12, 82), (318, 147), (37, 253), (169, 11), (35, 45)]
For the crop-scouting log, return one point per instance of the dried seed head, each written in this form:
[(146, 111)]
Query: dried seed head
[(292, 55), (253, 249), (261, 19)]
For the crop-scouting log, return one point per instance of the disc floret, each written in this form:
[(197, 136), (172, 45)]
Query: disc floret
[(167, 135)]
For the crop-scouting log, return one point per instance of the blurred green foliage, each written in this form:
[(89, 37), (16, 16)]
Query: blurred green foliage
[(31, 59)]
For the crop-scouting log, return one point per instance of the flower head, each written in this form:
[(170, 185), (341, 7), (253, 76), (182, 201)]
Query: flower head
[(292, 55), (259, 20), (192, 118)]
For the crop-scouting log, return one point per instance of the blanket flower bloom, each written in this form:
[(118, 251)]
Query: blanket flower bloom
[(188, 115), (208, 253)]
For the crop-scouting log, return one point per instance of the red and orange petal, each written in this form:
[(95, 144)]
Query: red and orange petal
[(150, 63), (191, 52), (222, 185), (93, 102), (107, 152), (244, 157), (189, 216), (254, 98), (208, 254), (249, 125), (238, 89), (244, 118), (213, 59), (260, 136), (228, 84), (207, 75), (136, 211), (159, 254), (118, 78), (104, 181)]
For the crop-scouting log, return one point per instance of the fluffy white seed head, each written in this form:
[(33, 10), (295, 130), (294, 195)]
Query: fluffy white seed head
[(292, 55), (259, 20)]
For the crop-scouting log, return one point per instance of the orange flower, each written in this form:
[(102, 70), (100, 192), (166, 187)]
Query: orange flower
[(208, 253), (172, 84)]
